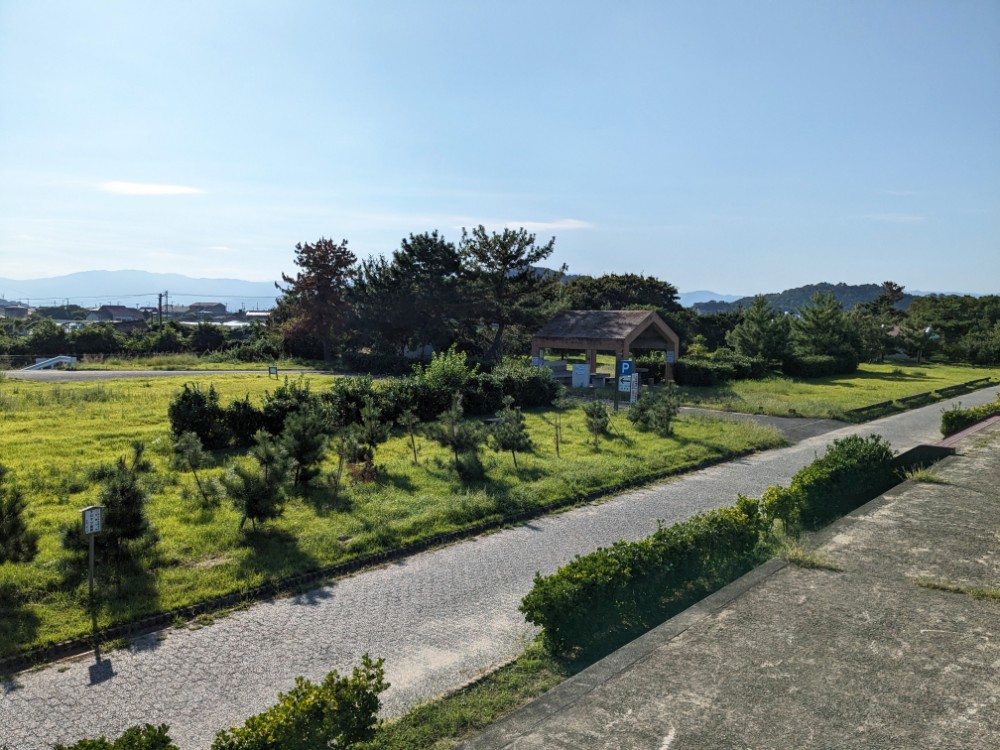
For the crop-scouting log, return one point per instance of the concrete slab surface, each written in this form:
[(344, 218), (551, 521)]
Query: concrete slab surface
[(789, 657)]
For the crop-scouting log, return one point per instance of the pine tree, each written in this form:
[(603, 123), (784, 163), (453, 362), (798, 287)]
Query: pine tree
[(304, 441), (257, 490), (597, 417), (511, 432), (189, 453), (762, 332), (18, 543)]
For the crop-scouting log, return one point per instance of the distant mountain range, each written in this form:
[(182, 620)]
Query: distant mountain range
[(138, 289), (688, 299), (790, 300)]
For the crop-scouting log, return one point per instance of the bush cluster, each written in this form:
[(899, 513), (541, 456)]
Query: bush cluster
[(614, 593), (428, 393), (852, 472), (339, 712), (820, 365), (957, 419), (723, 365), (197, 410), (601, 599)]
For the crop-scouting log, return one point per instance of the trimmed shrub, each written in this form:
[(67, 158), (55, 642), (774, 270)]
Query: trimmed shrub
[(820, 365), (346, 398), (288, 398), (702, 372), (198, 411), (656, 410), (852, 472), (615, 593), (956, 419), (243, 420)]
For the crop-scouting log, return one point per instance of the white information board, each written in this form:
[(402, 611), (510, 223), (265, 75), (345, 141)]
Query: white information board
[(581, 376), (92, 519)]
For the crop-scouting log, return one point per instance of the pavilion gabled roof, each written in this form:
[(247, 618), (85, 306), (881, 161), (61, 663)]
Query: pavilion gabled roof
[(604, 327)]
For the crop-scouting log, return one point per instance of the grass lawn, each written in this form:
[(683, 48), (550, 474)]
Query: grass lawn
[(831, 397), (53, 435)]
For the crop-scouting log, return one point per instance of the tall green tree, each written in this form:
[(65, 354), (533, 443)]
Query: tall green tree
[(762, 332), (504, 288), (614, 291), (823, 328), (317, 296)]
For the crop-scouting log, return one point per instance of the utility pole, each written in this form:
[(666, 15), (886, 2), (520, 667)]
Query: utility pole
[(159, 309)]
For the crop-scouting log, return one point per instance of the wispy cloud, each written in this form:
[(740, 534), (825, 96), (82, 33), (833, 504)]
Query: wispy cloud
[(546, 226), (147, 188), (898, 218)]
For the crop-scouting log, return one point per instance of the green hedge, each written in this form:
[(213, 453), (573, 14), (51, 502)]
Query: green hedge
[(853, 471), (820, 365), (957, 419), (600, 600), (615, 593), (723, 365)]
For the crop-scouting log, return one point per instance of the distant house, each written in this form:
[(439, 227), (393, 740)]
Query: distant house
[(259, 315), (207, 308), (114, 314), (14, 310)]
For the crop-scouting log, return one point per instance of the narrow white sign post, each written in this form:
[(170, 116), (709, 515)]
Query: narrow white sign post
[(633, 394), (92, 524)]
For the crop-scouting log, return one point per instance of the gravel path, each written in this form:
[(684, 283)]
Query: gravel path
[(439, 618)]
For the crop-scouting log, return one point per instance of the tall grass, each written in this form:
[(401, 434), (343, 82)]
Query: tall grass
[(55, 436)]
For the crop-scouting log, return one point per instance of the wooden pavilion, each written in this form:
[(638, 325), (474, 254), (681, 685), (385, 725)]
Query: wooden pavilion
[(619, 332)]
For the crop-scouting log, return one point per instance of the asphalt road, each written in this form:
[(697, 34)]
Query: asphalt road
[(439, 618), (70, 376)]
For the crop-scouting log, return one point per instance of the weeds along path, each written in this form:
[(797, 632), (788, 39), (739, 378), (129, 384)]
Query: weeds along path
[(439, 618)]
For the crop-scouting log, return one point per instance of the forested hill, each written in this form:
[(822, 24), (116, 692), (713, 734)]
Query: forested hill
[(790, 300)]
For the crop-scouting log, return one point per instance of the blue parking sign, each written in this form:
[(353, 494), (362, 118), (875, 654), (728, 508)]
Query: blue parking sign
[(625, 367)]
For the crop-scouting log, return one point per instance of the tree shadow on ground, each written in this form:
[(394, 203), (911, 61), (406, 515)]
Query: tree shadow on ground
[(272, 553), (18, 623)]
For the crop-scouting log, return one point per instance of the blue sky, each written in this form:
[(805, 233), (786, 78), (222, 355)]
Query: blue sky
[(736, 146)]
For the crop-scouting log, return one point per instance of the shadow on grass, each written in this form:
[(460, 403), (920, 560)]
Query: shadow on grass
[(272, 554), (18, 624)]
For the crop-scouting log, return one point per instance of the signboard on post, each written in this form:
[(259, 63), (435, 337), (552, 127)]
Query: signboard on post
[(92, 519), (581, 376), (626, 369), (272, 370), (670, 357), (92, 524), (633, 395)]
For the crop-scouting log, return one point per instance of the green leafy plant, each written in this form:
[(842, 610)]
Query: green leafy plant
[(598, 418), (339, 712), (656, 410), (511, 433), (189, 454), (145, 737)]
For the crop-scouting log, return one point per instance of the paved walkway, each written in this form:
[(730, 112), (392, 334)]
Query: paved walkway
[(788, 657), (439, 618)]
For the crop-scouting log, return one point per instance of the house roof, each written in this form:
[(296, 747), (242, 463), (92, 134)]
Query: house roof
[(594, 324), (603, 328), (119, 310)]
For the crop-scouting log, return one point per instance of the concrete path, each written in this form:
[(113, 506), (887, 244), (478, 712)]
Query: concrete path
[(788, 657), (439, 618)]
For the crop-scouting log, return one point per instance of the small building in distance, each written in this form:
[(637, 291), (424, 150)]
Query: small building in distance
[(14, 310), (115, 314), (618, 332), (207, 309)]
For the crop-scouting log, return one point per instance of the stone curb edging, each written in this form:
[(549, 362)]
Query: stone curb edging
[(520, 722), (946, 392), (271, 589)]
